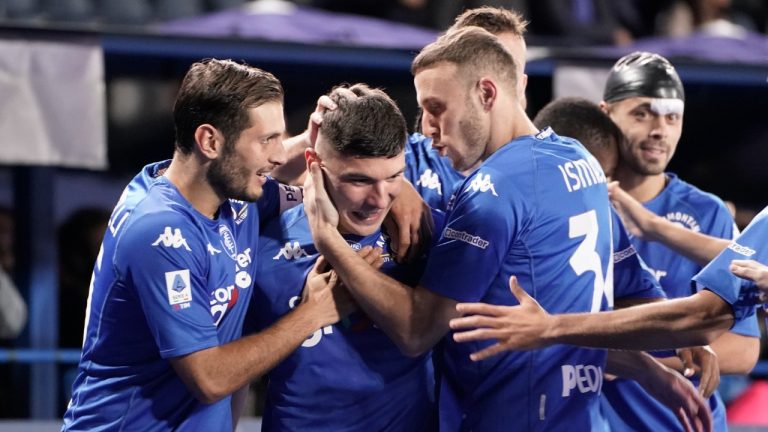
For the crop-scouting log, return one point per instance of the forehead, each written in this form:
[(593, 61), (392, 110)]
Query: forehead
[(437, 82), (267, 119), (373, 167)]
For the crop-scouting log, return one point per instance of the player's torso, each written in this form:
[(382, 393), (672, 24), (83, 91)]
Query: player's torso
[(342, 372)]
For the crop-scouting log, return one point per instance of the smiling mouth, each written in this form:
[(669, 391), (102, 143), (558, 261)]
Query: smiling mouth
[(367, 216)]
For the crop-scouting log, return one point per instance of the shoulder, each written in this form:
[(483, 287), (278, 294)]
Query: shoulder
[(692, 195)]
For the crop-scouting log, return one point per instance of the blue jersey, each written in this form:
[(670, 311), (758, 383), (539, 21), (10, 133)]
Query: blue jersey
[(345, 377), (632, 278), (432, 175), (739, 293), (680, 202), (168, 281), (538, 209)]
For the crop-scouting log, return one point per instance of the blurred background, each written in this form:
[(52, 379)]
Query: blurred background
[(87, 87)]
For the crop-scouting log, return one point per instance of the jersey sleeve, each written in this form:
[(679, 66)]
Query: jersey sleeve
[(277, 198), (631, 277), (474, 242), (163, 258), (741, 294)]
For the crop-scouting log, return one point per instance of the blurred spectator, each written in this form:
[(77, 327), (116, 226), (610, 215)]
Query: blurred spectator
[(79, 241), (13, 309), (584, 22), (712, 17)]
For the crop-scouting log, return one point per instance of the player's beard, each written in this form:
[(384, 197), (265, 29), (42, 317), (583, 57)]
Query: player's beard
[(475, 141), (229, 178), (639, 166)]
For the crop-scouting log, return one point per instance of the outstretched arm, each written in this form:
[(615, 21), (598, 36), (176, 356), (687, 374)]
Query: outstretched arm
[(689, 321), (647, 225)]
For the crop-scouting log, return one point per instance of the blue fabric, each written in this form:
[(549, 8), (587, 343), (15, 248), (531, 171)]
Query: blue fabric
[(168, 282), (432, 175), (345, 377), (531, 206)]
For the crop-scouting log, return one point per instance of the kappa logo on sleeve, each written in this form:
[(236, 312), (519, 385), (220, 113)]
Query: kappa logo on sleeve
[(430, 180), (179, 288), (172, 237), (482, 183), (291, 251)]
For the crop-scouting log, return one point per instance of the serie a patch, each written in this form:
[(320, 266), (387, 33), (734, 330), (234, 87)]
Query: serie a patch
[(178, 286)]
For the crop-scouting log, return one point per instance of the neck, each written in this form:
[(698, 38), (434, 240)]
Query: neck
[(641, 187), (505, 129), (188, 174)]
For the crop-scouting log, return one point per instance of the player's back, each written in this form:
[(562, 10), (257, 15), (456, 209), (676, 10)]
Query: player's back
[(537, 209)]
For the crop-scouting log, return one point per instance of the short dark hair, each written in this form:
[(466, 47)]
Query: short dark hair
[(368, 125), (473, 50), (220, 93), (580, 119), (494, 20)]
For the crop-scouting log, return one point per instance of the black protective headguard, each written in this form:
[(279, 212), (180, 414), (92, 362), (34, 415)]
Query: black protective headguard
[(643, 74)]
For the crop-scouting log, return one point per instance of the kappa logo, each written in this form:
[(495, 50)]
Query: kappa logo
[(291, 251), (179, 289), (212, 250), (430, 180), (482, 183), (172, 237)]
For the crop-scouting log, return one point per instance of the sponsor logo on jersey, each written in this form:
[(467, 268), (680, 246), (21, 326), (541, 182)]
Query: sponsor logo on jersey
[(291, 250), (430, 180), (212, 250), (228, 241), (685, 220), (465, 237), (741, 250), (315, 337), (354, 245), (171, 237), (179, 288), (225, 298), (624, 254), (482, 183), (584, 378)]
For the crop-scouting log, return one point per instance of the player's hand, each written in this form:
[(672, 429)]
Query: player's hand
[(324, 292), (324, 103), (513, 327), (636, 218), (372, 256), (701, 361), (678, 394), (321, 213), (409, 225), (753, 271)]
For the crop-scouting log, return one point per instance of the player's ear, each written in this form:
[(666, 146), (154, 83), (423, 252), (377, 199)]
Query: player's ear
[(487, 92), (209, 141), (310, 155)]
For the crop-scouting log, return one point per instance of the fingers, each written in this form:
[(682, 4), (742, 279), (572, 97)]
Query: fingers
[(472, 321), (476, 309), (403, 237), (686, 357), (487, 352), (518, 291), (370, 255), (325, 103), (682, 417), (745, 269)]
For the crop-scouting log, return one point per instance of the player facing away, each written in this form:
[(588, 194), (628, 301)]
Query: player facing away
[(173, 278), (350, 375), (517, 214), (644, 97)]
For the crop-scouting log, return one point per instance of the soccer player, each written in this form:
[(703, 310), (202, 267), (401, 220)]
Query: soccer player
[(348, 376), (431, 174), (466, 82), (170, 288), (644, 97)]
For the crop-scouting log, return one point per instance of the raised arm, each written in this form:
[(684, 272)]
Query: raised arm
[(689, 321), (647, 225)]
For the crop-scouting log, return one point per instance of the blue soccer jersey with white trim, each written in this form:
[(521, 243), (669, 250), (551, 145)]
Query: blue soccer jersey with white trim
[(345, 377), (168, 282), (432, 175), (632, 278), (684, 204), (538, 209)]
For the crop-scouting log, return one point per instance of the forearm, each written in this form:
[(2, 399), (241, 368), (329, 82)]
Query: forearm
[(386, 301), (632, 365), (736, 354), (293, 170), (214, 373), (690, 321), (698, 247)]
